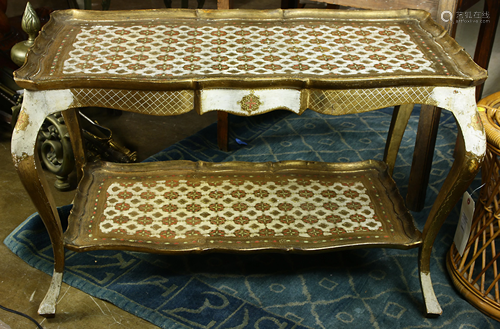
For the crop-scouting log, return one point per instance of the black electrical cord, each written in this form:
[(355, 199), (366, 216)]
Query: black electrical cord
[(21, 314)]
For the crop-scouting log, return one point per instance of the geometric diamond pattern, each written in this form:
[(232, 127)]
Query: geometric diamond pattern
[(394, 310), (147, 102), (237, 207), (222, 48), (347, 101), (334, 102)]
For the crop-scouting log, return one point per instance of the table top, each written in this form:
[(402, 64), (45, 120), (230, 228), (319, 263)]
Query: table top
[(174, 49)]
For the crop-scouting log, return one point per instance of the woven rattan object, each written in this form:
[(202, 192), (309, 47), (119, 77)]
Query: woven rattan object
[(476, 274)]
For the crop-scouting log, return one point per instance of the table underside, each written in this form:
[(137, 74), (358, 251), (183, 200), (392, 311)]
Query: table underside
[(184, 206)]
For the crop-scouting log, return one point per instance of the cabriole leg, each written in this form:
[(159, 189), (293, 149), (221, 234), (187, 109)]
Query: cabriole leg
[(468, 157), (462, 173), (36, 106), (48, 305)]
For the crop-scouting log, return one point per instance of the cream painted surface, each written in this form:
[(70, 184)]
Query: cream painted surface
[(48, 305), (305, 209), (271, 99), (431, 303), (251, 49), (38, 105), (462, 102)]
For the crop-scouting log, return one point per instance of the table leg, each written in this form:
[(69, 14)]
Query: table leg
[(223, 130), (71, 118), (33, 179), (422, 157), (36, 107), (469, 154), (400, 117), (462, 173), (485, 39), (224, 4)]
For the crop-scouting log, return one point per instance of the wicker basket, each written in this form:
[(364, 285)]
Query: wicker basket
[(476, 274)]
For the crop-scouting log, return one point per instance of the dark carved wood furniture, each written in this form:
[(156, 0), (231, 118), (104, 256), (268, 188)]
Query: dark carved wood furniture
[(244, 62)]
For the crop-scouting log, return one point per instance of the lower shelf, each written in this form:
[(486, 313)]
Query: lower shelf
[(184, 206)]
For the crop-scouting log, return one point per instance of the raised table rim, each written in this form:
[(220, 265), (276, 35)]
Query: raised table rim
[(33, 75)]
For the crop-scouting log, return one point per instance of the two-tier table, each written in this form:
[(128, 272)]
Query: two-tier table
[(168, 62)]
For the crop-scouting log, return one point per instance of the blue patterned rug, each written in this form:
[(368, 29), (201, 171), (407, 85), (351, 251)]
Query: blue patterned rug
[(365, 288)]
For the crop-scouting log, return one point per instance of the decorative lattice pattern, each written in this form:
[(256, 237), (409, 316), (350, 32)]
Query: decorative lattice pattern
[(333, 102), (147, 102), (347, 101), (256, 48), (237, 207)]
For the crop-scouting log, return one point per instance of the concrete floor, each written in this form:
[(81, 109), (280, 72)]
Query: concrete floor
[(22, 287)]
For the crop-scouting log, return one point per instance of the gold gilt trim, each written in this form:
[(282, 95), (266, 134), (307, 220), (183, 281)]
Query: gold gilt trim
[(162, 103), (54, 43)]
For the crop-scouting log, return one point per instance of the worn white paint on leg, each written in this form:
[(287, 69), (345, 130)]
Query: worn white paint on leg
[(37, 105), (233, 100), (48, 306), (3, 325), (432, 308), (462, 102)]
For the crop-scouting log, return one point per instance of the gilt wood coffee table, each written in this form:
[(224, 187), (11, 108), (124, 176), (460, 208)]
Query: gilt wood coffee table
[(168, 62)]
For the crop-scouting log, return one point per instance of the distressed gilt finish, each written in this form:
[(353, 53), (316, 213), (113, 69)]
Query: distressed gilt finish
[(273, 206), (31, 25), (64, 25), (63, 73)]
